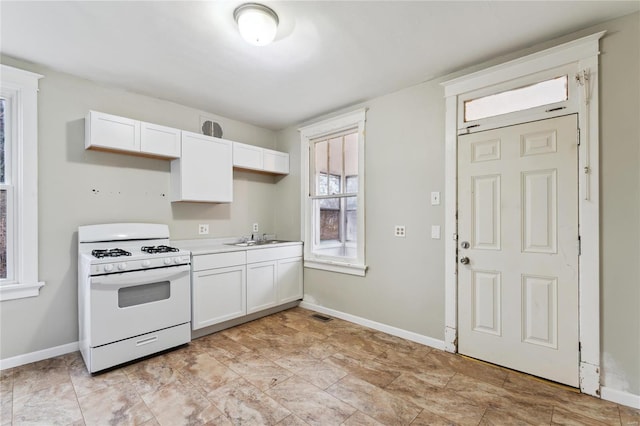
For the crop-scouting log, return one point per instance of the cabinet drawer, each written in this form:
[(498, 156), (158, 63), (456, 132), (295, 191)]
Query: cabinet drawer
[(218, 260), (136, 347), (273, 253)]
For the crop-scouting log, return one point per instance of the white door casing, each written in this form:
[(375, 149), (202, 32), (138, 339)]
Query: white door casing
[(582, 56), (518, 213)]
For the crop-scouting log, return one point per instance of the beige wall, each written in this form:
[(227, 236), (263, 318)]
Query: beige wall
[(79, 187), (620, 203), (404, 286)]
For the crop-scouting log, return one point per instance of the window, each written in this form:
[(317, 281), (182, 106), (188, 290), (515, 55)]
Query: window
[(333, 185), (18, 184), (535, 95)]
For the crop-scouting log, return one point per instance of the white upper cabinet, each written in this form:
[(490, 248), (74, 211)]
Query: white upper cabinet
[(110, 132), (247, 156), (159, 140), (275, 161), (260, 159), (204, 171), (114, 133)]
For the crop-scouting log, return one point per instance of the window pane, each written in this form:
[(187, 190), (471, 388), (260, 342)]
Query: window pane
[(351, 220), (329, 216), (2, 132), (3, 234), (543, 93), (320, 156), (351, 155), (335, 156), (351, 184)]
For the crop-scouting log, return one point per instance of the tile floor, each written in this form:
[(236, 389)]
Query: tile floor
[(290, 369)]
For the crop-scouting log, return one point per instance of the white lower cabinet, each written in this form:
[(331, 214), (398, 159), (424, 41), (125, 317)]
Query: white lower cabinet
[(289, 280), (274, 276), (234, 284), (218, 292), (261, 286)]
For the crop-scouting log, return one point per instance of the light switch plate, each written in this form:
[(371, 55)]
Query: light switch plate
[(435, 232), (435, 198)]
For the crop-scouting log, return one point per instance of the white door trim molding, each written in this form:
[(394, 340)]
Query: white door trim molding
[(583, 53)]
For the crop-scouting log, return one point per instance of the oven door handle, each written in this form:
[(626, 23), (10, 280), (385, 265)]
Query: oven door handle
[(148, 276)]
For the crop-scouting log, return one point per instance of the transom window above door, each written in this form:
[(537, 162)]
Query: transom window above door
[(546, 92)]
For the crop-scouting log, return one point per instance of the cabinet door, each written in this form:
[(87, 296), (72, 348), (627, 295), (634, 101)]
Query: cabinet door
[(275, 161), (247, 156), (261, 286), (159, 140), (111, 132), (218, 295), (204, 172), (289, 280)]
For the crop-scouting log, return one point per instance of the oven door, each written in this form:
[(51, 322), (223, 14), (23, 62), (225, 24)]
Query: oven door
[(133, 303)]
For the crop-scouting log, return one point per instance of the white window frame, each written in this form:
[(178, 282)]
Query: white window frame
[(580, 56), (20, 88), (352, 120)]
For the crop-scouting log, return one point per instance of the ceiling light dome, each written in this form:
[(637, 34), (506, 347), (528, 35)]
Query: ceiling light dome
[(257, 23)]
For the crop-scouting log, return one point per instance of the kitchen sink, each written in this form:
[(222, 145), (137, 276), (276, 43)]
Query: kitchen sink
[(258, 243)]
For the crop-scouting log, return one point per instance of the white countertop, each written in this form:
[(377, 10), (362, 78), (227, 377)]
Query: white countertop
[(221, 245)]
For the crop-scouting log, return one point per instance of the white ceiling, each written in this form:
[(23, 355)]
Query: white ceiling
[(327, 54)]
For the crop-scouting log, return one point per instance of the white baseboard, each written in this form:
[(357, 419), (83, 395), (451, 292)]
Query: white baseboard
[(394, 331), (620, 397), (38, 355)]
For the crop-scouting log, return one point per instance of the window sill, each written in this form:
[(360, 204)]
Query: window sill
[(19, 291), (336, 266)]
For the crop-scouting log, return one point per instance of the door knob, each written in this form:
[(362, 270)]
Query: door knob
[(464, 260)]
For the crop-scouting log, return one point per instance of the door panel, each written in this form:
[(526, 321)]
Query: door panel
[(518, 210), (486, 212)]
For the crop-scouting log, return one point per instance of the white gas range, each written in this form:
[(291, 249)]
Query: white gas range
[(134, 293)]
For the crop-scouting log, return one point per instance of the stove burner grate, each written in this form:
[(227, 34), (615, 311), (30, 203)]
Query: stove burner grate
[(114, 252), (158, 249)]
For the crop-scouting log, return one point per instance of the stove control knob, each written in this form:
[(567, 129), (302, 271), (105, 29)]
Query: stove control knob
[(146, 263), (108, 267), (176, 260), (122, 266), (167, 261)]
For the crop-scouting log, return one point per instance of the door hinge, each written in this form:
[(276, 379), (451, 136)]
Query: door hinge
[(578, 136), (579, 245), (579, 346)]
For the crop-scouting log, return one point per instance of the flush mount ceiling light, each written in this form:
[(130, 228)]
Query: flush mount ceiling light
[(257, 23)]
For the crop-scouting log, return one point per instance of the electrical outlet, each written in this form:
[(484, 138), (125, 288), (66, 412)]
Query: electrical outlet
[(255, 227), (203, 228), (400, 231)]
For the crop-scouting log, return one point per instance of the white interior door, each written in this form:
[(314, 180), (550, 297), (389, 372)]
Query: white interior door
[(518, 230)]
